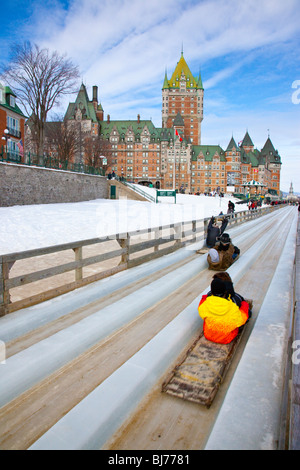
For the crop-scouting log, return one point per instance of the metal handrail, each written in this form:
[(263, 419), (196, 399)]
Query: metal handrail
[(139, 191)]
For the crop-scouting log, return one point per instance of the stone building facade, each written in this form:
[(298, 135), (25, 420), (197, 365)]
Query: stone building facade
[(173, 157)]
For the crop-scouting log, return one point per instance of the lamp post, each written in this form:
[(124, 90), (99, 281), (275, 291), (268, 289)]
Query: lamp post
[(6, 138)]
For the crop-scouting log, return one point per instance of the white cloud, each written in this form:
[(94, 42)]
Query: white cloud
[(124, 46), (125, 33), (218, 129)]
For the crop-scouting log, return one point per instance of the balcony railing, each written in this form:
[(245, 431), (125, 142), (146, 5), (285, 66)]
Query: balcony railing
[(14, 132)]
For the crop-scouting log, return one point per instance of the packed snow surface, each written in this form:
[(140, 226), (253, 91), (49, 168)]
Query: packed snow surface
[(36, 226)]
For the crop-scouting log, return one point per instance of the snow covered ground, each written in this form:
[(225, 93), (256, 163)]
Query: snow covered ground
[(35, 226)]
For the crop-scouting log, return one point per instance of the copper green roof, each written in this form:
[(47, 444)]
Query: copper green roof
[(247, 141), (269, 151), (268, 147), (232, 145), (253, 158), (135, 126), (182, 68), (84, 104), (208, 151), (244, 157), (15, 109), (178, 121), (166, 83), (7, 91), (157, 134)]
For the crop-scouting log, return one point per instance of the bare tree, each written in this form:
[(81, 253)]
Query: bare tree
[(62, 140), (96, 147), (39, 78)]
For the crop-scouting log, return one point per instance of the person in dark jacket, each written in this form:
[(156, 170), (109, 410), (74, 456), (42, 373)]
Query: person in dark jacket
[(223, 254), (214, 231), (231, 207)]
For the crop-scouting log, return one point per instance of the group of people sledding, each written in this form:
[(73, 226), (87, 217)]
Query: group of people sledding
[(222, 309)]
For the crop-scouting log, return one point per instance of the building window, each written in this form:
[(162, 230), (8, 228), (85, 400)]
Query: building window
[(13, 126)]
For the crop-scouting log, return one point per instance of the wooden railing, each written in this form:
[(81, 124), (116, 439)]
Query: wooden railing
[(130, 251), (127, 251)]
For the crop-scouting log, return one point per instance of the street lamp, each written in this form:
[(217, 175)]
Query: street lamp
[(6, 138)]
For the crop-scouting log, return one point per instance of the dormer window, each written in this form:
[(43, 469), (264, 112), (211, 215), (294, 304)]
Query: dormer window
[(12, 101)]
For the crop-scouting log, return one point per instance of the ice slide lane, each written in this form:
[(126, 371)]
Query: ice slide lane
[(163, 422), (135, 377), (38, 361), (257, 391), (35, 411), (28, 319), (61, 384)]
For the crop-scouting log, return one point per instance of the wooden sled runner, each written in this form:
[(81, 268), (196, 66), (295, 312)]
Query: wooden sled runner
[(199, 375), (202, 251)]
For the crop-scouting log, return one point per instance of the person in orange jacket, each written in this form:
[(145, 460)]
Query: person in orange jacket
[(222, 317)]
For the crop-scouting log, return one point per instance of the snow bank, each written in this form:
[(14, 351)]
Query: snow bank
[(35, 226)]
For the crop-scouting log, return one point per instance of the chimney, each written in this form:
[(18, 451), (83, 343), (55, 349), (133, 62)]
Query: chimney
[(108, 119), (95, 93), (95, 97), (138, 118)]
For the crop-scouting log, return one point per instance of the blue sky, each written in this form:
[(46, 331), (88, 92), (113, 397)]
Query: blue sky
[(247, 52)]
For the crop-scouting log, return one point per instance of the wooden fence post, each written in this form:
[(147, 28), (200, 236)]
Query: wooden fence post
[(78, 257), (178, 235), (4, 294), (124, 242), (194, 230), (157, 235)]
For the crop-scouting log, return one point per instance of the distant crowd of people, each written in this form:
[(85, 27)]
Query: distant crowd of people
[(254, 204)]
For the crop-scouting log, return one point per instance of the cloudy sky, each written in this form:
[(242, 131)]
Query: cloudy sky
[(247, 52)]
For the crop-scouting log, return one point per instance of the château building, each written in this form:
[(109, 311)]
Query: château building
[(172, 156)]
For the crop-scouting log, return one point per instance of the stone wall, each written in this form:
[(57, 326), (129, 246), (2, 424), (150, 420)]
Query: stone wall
[(22, 185)]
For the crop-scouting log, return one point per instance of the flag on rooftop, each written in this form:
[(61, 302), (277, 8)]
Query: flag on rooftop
[(177, 133)]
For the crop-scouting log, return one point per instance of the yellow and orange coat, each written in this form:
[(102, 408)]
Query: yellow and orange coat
[(222, 318)]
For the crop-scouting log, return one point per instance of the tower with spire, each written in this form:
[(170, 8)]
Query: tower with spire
[(183, 93)]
